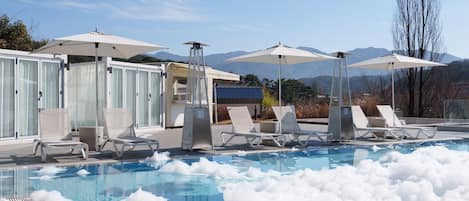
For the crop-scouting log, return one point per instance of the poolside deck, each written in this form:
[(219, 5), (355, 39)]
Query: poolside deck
[(18, 155)]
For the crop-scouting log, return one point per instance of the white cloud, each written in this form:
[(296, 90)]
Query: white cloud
[(242, 28), (155, 10), (77, 4), (149, 10)]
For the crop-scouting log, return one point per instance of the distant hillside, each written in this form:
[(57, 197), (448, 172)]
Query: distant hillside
[(357, 83), (455, 72), (297, 71)]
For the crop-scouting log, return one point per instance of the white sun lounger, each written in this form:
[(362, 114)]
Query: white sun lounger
[(388, 114), (120, 130), (244, 127), (361, 125), (290, 126), (54, 128)]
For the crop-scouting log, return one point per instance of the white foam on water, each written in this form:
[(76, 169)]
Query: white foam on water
[(203, 167), (82, 173), (50, 170), (241, 153), (158, 159), (375, 148), (43, 195), (43, 177), (427, 174), (141, 195)]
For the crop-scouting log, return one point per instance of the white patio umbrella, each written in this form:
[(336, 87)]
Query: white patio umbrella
[(394, 61), (280, 54), (97, 44)]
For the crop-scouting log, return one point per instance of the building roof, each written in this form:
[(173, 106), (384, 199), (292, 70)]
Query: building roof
[(211, 72), (238, 94)]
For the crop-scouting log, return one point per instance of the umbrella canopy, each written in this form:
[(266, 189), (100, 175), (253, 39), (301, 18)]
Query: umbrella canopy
[(286, 54), (97, 44), (394, 61), (108, 45), (280, 54)]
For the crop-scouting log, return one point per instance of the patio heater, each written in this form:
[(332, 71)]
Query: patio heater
[(196, 133), (340, 113)]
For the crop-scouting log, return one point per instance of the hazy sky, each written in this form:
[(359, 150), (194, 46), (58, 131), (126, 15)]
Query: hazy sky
[(228, 25)]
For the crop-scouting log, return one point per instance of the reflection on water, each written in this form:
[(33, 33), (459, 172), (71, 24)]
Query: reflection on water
[(110, 182)]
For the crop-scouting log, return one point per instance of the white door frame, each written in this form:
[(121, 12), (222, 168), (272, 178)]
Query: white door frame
[(17, 106), (14, 98)]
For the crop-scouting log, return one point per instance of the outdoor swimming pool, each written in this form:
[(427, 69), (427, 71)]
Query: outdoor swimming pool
[(206, 180)]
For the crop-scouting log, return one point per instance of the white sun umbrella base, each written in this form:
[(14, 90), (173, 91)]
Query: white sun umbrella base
[(392, 62), (98, 45), (281, 55)]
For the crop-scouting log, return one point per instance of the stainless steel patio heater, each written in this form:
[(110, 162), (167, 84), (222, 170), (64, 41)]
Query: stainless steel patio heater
[(197, 132), (340, 113)]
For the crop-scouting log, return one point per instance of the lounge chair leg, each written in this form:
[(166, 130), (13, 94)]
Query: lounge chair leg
[(254, 142), (35, 147), (84, 152), (43, 154), (117, 150), (101, 147), (306, 142), (277, 142), (122, 150), (225, 142), (151, 148)]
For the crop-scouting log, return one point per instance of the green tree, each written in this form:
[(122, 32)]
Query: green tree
[(14, 35), (251, 80), (294, 90)]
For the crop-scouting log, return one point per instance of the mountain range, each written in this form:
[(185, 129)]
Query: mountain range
[(297, 71)]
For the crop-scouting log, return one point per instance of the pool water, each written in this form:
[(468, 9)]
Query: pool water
[(116, 181)]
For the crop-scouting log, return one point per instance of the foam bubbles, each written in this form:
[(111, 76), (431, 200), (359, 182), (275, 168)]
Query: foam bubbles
[(375, 148), (204, 167), (141, 195), (82, 173), (43, 195), (158, 159), (241, 153), (431, 173), (50, 170)]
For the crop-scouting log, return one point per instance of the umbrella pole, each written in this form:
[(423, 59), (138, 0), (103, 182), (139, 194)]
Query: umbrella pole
[(392, 89), (280, 92), (97, 88)]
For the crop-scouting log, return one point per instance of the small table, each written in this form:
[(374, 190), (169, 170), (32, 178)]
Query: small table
[(92, 136), (268, 127), (377, 122)]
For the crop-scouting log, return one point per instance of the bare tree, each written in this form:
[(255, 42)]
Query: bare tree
[(417, 33)]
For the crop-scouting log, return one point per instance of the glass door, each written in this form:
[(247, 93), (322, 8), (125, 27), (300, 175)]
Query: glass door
[(155, 98), (27, 98), (7, 98), (49, 85), (143, 99), (116, 88), (131, 93)]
